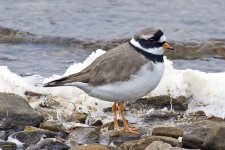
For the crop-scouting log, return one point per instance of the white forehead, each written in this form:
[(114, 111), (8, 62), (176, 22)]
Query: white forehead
[(162, 38), (147, 36)]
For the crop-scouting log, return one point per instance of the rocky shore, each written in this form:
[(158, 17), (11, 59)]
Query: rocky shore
[(163, 128)]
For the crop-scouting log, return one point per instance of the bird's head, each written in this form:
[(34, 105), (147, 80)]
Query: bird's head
[(150, 40)]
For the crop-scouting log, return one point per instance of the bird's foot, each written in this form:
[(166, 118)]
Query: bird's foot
[(127, 129)]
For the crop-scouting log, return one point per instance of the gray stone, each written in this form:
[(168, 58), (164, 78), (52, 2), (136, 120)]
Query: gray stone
[(119, 137), (146, 141), (53, 125), (215, 139), (85, 135), (15, 113), (158, 145), (32, 137), (94, 147), (196, 138), (168, 131), (7, 145), (49, 144), (159, 102)]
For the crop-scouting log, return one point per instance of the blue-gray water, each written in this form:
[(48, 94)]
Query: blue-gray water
[(193, 20)]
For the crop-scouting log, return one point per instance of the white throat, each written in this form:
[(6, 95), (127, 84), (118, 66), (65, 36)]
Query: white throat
[(156, 51)]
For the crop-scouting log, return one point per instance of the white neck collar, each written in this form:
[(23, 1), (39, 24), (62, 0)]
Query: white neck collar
[(156, 51)]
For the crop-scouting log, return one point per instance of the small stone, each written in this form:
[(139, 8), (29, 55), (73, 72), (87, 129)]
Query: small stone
[(146, 141), (15, 113), (196, 138), (5, 133), (215, 139), (158, 145), (168, 131), (33, 136), (158, 115), (127, 145), (215, 119), (85, 135), (197, 113), (119, 137), (49, 144), (159, 102), (33, 94), (97, 123), (78, 117), (90, 147), (53, 125), (4, 145)]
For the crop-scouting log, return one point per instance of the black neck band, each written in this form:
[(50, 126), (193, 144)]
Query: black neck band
[(150, 56)]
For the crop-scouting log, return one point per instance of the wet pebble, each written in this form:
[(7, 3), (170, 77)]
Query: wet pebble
[(168, 131), (119, 137), (146, 141), (78, 117), (15, 113), (32, 136), (52, 125), (85, 135), (205, 138), (4, 145), (159, 102)]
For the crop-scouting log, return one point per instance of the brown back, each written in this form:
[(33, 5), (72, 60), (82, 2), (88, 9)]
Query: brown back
[(115, 65)]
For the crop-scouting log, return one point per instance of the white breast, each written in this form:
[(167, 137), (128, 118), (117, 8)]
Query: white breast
[(139, 84)]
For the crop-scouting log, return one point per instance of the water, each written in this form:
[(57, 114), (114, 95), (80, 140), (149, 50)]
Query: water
[(195, 20), (101, 19)]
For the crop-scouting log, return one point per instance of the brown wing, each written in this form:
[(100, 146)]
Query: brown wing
[(115, 65)]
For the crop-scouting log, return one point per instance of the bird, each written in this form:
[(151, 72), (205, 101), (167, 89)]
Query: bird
[(124, 73)]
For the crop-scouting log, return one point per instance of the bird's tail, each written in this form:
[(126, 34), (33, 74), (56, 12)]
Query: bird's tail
[(58, 82)]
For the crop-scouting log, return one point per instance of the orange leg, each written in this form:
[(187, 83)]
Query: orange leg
[(125, 125), (116, 126)]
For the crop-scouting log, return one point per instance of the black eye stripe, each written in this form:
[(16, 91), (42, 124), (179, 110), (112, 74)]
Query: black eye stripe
[(149, 44)]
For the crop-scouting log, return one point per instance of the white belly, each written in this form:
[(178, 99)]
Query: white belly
[(136, 87)]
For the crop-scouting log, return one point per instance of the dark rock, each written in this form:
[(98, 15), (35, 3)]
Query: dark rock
[(168, 131), (78, 117), (127, 145), (205, 138), (144, 142), (94, 147), (34, 136), (46, 112), (159, 115), (215, 139), (49, 144), (119, 137), (15, 113), (215, 119), (197, 113), (158, 145), (5, 133), (85, 135), (97, 123), (107, 109), (33, 94), (159, 102), (53, 125), (7, 145), (49, 103), (196, 138)]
